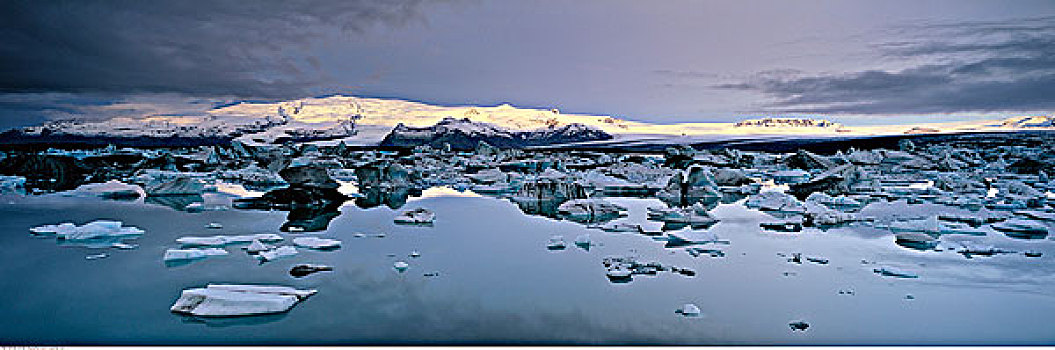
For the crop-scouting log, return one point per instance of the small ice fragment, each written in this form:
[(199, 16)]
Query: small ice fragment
[(1032, 254), (415, 254), (125, 246), (97, 256), (556, 243), (418, 216), (401, 266), (583, 241), (214, 225), (257, 246), (817, 260), (894, 272), (689, 310), (276, 253)]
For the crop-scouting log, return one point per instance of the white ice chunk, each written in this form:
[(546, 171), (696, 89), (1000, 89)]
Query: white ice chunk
[(257, 246), (192, 253), (689, 310), (556, 243), (276, 253), (92, 230), (238, 300), (112, 189), (316, 243), (416, 216), (212, 241)]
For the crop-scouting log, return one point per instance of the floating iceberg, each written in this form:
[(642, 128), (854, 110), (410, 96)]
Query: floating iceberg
[(112, 189), (1019, 228), (277, 253), (257, 247), (174, 255), (696, 215), (689, 310), (838, 202), (590, 210), (556, 243), (419, 216), (916, 240), (775, 201), (799, 326), (222, 300), (1037, 215), (583, 241), (894, 272), (11, 183), (99, 229), (214, 241), (782, 225), (317, 243), (177, 187)]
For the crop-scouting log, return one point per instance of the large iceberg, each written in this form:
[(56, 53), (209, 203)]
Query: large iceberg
[(225, 300), (590, 210), (93, 230), (112, 189)]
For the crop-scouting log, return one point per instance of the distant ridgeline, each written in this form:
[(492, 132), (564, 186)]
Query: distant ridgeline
[(776, 122), (466, 134), (1030, 122)]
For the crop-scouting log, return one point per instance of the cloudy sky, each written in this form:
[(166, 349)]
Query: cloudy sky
[(858, 62)]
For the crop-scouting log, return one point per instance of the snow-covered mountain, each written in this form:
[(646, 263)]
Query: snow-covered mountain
[(1029, 122), (466, 134), (788, 123), (368, 121)]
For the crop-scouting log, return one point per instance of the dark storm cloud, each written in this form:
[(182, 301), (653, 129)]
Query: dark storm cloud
[(962, 67), (227, 47)]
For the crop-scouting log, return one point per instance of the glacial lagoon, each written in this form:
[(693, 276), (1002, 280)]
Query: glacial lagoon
[(484, 274)]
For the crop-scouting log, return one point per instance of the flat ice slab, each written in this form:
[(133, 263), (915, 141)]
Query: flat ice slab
[(213, 241), (317, 243), (112, 189), (277, 253), (192, 254), (225, 300), (92, 230)]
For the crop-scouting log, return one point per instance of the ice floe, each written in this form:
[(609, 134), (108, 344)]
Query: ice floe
[(225, 300)]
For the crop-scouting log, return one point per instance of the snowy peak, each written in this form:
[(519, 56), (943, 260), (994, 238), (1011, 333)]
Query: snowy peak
[(466, 134), (367, 121), (788, 123), (1028, 122)]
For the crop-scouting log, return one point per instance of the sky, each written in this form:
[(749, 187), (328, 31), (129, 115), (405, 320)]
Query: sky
[(856, 62)]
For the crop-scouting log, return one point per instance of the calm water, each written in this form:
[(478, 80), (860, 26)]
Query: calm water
[(498, 283)]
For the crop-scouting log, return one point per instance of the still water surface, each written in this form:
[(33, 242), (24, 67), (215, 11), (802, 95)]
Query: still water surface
[(497, 282)]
